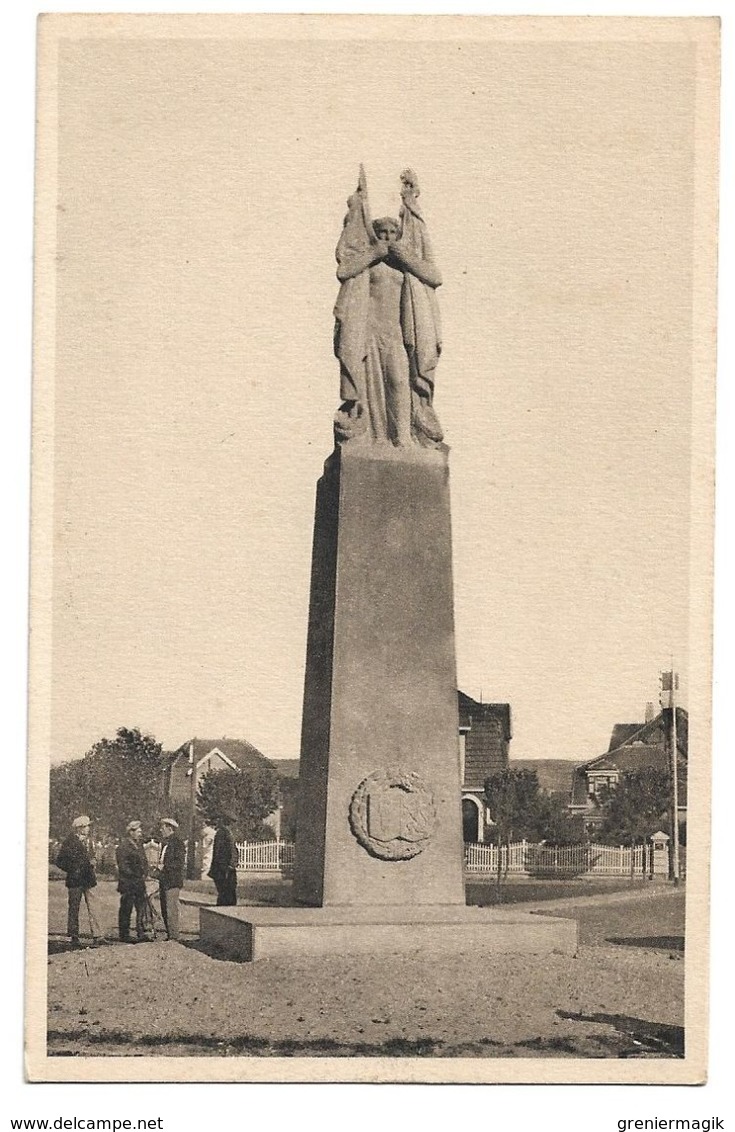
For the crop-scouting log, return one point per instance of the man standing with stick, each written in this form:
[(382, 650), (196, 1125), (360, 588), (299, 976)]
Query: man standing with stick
[(76, 861)]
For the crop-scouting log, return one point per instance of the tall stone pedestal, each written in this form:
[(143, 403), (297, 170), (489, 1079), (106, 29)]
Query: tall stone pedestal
[(379, 817)]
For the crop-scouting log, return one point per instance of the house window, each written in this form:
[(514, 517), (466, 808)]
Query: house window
[(599, 782)]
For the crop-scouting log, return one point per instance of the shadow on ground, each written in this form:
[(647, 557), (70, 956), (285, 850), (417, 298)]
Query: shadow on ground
[(209, 948), (645, 1039), (632, 1038), (486, 894), (246, 1045), (61, 946), (664, 942)]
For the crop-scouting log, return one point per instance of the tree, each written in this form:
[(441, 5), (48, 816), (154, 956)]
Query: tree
[(66, 797), (289, 790), (555, 825), (246, 797), (512, 798), (636, 807), (117, 780)]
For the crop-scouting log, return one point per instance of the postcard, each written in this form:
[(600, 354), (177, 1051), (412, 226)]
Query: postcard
[(372, 537)]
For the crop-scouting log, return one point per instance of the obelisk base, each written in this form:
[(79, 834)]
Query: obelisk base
[(249, 934)]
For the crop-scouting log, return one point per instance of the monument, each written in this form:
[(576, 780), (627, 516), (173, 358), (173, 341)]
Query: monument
[(379, 851)]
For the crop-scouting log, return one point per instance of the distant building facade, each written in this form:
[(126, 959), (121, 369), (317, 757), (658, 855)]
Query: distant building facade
[(633, 747)]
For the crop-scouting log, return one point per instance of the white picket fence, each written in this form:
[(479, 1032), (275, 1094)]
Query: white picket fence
[(575, 860), (524, 859), (265, 856)]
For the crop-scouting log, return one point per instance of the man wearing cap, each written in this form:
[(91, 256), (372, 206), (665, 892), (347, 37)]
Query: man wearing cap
[(224, 863), (171, 875), (75, 860), (132, 869)]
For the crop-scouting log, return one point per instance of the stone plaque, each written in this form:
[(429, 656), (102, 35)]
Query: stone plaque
[(392, 814)]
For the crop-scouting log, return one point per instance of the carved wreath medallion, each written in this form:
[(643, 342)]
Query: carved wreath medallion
[(392, 814)]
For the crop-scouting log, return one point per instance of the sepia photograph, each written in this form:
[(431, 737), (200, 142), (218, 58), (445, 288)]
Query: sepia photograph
[(372, 549)]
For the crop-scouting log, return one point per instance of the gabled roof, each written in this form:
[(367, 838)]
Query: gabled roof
[(238, 752), (621, 733), (470, 709), (625, 734), (631, 757)]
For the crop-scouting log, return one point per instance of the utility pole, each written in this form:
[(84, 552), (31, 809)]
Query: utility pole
[(191, 853), (670, 683), (674, 773)]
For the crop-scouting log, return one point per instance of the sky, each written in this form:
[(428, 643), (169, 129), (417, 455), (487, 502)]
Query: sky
[(201, 191)]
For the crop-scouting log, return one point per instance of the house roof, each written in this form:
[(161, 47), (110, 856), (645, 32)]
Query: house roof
[(470, 709), (625, 734), (237, 751), (554, 775), (621, 733), (632, 757)]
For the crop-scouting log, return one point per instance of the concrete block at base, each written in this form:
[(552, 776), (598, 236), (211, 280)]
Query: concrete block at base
[(249, 934)]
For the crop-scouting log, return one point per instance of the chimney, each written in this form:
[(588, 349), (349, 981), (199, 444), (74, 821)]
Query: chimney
[(649, 712)]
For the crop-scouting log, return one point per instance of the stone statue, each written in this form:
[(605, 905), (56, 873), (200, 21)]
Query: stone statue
[(387, 335)]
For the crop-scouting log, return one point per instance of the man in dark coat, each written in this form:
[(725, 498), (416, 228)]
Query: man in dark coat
[(75, 860), (223, 869), (132, 869), (171, 875)]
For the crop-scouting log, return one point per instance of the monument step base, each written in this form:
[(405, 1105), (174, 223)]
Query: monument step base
[(248, 934)]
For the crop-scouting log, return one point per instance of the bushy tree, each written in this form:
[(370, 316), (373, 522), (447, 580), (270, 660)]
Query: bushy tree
[(246, 796), (117, 780), (512, 798), (637, 807), (289, 789), (66, 797), (555, 825)]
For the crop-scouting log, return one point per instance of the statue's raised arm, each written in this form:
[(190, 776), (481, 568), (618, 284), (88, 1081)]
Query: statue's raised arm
[(358, 248), (413, 252), (351, 311)]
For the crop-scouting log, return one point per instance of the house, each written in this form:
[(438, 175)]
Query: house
[(484, 741), (204, 755), (633, 747)]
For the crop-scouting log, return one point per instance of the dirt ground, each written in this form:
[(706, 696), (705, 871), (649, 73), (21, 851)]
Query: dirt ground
[(622, 996)]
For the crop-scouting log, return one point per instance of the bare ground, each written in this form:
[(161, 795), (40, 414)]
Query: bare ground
[(622, 996)]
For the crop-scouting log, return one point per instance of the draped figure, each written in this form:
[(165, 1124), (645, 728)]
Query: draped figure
[(387, 332)]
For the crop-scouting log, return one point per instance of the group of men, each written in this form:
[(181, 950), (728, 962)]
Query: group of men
[(132, 872), (76, 859)]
